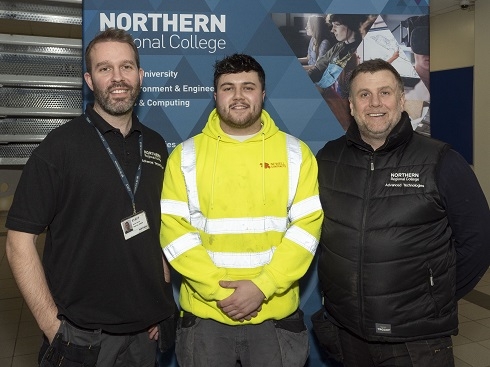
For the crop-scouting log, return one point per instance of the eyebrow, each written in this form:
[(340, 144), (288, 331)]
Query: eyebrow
[(107, 62), (240, 83), (378, 89)]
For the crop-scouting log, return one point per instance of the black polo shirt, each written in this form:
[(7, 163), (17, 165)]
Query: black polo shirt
[(71, 187)]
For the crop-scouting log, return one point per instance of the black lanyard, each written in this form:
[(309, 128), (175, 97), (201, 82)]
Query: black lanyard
[(124, 179)]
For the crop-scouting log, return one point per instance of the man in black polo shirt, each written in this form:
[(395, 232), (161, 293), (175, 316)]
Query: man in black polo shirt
[(101, 290)]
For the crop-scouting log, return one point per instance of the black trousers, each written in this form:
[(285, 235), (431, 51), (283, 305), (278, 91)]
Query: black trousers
[(421, 353)]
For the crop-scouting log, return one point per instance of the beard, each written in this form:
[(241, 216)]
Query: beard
[(238, 123), (117, 106)]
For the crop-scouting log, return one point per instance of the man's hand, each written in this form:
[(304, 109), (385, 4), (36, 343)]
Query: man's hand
[(244, 303), (28, 272), (53, 329), (153, 332), (166, 270)]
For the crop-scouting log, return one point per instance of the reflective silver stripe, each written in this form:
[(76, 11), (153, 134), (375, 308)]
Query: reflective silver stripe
[(245, 225), (302, 238), (188, 165), (294, 166), (181, 245), (174, 207), (305, 207), (241, 260)]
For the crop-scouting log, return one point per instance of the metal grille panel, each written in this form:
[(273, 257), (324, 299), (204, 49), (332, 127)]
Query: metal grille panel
[(40, 77), (36, 12), (40, 98), (32, 49), (16, 153), (29, 126), (45, 65)]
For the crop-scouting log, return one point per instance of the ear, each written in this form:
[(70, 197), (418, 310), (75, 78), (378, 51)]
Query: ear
[(351, 107), (263, 96), (402, 100), (88, 80), (141, 72), (214, 95)]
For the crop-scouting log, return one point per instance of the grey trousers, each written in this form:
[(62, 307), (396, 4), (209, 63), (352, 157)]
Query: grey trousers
[(76, 347), (205, 343)]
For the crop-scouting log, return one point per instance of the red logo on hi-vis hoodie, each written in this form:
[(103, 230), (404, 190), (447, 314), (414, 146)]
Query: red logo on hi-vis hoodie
[(273, 165)]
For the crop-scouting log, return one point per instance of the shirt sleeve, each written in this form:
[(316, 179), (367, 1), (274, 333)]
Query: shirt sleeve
[(315, 73), (324, 47), (469, 218), (180, 240), (294, 254), (35, 198)]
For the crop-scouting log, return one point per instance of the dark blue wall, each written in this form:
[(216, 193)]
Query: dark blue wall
[(451, 109)]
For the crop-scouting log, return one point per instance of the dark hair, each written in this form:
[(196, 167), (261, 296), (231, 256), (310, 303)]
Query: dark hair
[(237, 63), (111, 35), (321, 30), (419, 40), (351, 21), (373, 66)]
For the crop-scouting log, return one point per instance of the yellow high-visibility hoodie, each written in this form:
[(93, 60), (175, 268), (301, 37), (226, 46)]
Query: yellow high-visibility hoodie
[(236, 210)]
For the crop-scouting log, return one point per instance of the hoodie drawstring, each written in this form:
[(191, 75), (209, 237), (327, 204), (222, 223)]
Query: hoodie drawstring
[(263, 168), (214, 171)]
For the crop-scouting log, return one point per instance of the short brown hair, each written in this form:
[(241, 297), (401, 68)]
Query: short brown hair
[(238, 63), (372, 66), (111, 35)]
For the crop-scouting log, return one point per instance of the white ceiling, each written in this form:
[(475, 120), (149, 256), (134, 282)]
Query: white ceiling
[(438, 7), (12, 26)]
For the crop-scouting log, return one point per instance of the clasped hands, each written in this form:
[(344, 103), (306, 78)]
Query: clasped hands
[(244, 303)]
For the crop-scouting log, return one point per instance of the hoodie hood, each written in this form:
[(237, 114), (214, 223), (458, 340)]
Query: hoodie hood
[(214, 131)]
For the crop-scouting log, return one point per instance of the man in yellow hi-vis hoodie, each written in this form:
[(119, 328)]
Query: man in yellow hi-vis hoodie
[(241, 220)]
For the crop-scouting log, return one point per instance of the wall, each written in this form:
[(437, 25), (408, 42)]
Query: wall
[(481, 101), (452, 113), (459, 39), (452, 40)]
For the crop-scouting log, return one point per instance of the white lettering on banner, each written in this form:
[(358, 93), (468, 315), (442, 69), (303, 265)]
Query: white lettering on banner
[(196, 89), (161, 89), (168, 103), (140, 22), (192, 42), (161, 74), (200, 24)]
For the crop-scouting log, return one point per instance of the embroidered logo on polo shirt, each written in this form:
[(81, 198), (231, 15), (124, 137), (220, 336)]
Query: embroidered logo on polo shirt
[(152, 158), (405, 179)]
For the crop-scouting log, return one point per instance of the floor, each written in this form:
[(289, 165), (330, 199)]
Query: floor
[(20, 336)]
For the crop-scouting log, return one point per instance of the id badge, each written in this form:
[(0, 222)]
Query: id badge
[(134, 225)]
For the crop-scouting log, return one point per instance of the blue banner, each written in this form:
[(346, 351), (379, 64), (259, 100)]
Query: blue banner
[(179, 42)]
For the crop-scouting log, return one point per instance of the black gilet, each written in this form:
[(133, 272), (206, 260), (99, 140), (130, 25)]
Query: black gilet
[(387, 265)]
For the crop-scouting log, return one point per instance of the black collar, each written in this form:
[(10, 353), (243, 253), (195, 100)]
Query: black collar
[(103, 126), (401, 133)]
